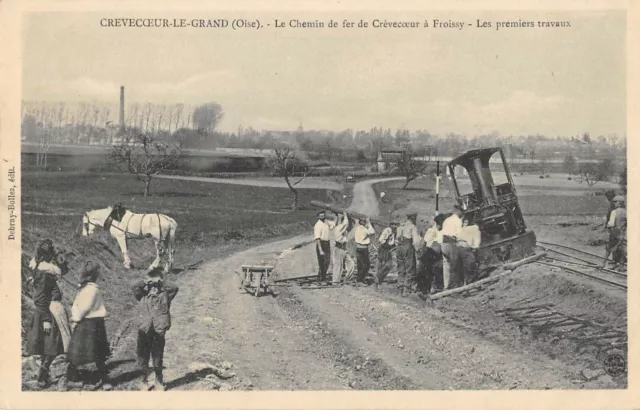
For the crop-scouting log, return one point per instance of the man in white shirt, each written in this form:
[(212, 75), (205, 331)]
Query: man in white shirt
[(362, 231), (408, 240), (451, 228), (468, 243), (323, 246), (387, 242), (339, 249)]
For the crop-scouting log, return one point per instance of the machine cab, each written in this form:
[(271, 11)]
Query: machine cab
[(484, 189)]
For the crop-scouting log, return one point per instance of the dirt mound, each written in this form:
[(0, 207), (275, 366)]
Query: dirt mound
[(558, 295)]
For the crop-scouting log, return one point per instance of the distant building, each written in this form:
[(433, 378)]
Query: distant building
[(387, 159)]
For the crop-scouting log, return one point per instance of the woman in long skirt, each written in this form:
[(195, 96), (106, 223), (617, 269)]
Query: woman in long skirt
[(89, 339), (44, 337)]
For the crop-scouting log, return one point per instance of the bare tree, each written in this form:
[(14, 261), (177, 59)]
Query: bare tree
[(286, 163), (410, 167), (588, 173), (179, 108), (145, 157)]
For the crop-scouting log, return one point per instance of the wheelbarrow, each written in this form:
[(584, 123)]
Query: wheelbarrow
[(256, 278)]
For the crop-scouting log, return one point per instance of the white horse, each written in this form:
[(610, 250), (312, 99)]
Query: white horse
[(124, 224)]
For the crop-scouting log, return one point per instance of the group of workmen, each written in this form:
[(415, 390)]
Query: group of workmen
[(444, 257)]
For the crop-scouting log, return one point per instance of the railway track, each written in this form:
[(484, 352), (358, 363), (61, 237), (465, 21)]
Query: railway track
[(581, 263)]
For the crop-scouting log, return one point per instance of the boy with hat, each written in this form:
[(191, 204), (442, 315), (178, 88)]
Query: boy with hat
[(154, 320)]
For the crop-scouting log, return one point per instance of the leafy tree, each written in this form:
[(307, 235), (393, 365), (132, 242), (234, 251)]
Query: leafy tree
[(286, 163), (410, 167), (145, 156), (569, 164), (205, 118)]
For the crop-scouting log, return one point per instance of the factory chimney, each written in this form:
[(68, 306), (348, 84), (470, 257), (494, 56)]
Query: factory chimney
[(121, 127)]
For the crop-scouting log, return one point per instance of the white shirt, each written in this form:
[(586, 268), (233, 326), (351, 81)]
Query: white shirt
[(362, 234), (618, 218), (470, 235), (452, 226), (387, 236), (88, 303), (340, 231), (321, 231), (409, 231), (433, 235)]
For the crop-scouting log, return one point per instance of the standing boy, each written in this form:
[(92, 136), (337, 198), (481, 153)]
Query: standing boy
[(155, 299)]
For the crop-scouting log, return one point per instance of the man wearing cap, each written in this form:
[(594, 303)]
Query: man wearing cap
[(617, 226), (408, 240), (387, 242), (362, 231), (451, 228), (340, 247), (323, 247), (468, 243)]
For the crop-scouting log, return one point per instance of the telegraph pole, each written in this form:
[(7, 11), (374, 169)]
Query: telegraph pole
[(437, 185)]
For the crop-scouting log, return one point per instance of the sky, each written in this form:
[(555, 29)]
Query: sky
[(515, 81)]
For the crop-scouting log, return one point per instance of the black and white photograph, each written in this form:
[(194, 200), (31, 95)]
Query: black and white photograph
[(334, 200)]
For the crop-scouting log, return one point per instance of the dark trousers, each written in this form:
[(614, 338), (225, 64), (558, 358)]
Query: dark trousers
[(150, 344), (362, 260), (323, 260), (427, 271), (469, 262), (406, 257), (385, 263)]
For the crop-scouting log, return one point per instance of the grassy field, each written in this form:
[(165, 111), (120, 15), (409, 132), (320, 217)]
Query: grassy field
[(213, 220)]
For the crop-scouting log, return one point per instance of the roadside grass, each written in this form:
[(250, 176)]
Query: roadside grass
[(214, 220)]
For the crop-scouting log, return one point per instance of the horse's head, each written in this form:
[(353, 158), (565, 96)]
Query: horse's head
[(118, 212)]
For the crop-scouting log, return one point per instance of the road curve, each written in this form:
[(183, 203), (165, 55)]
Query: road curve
[(364, 197)]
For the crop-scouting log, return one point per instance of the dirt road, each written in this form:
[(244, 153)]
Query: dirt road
[(337, 338), (364, 198)]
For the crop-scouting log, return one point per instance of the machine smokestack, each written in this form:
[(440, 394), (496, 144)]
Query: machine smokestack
[(121, 128)]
